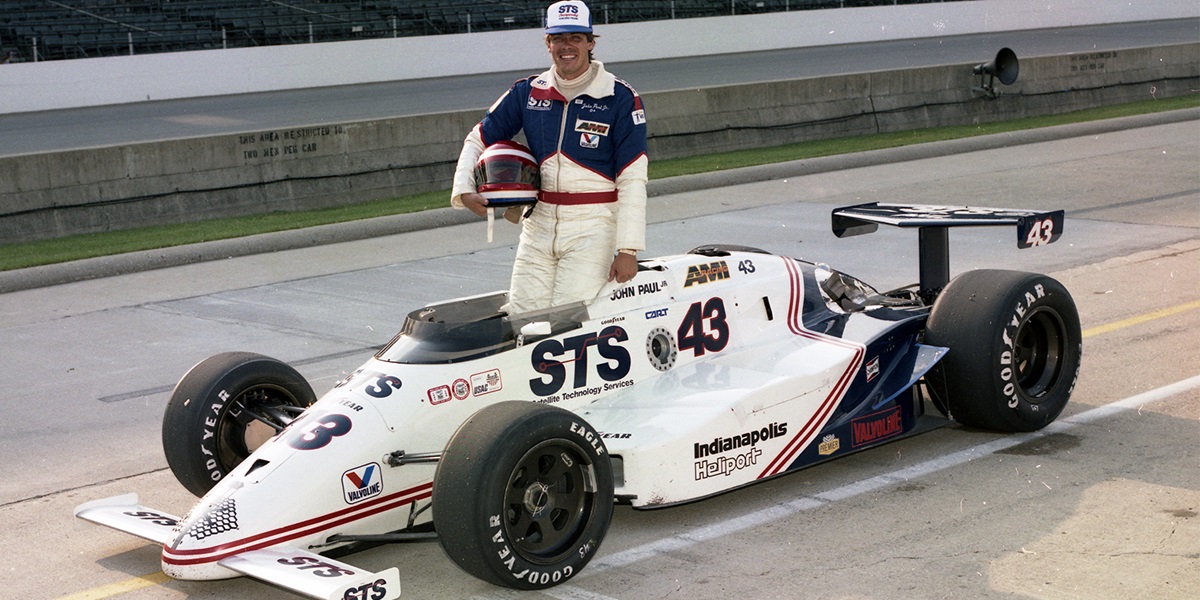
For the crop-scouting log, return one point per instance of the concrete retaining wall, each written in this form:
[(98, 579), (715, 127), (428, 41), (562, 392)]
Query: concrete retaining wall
[(83, 191), (690, 122)]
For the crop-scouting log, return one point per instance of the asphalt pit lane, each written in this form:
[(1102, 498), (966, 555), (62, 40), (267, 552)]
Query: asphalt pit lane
[(1044, 446)]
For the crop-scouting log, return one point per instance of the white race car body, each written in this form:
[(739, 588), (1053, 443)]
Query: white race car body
[(707, 372)]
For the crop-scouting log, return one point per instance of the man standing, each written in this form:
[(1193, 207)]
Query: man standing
[(587, 130)]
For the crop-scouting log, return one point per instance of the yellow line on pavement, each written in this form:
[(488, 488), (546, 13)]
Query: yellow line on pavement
[(1142, 318), (121, 587)]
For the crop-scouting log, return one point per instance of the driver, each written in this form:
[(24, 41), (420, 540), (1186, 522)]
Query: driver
[(587, 130)]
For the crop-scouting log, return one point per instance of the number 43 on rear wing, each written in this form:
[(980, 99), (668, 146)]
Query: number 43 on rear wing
[(932, 222)]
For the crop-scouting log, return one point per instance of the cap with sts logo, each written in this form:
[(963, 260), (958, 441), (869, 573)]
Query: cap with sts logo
[(568, 17)]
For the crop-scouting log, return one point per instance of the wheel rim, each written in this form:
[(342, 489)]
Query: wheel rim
[(549, 501), (1038, 354), (250, 419)]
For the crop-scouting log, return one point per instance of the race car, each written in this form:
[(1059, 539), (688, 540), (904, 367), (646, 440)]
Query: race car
[(510, 437)]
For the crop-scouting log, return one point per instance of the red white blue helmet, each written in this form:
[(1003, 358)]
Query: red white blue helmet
[(507, 174)]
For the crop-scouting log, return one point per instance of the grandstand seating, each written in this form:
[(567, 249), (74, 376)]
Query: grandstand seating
[(90, 28)]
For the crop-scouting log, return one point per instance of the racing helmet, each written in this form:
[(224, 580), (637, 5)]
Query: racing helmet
[(507, 174)]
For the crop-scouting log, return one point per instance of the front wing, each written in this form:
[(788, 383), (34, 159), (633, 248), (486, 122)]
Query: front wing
[(291, 568)]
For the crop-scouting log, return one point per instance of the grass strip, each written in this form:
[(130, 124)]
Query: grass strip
[(76, 247)]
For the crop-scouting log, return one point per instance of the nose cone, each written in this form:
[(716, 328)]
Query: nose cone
[(322, 475), (197, 545)]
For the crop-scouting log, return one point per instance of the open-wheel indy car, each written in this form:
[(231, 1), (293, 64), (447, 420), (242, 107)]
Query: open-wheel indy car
[(510, 437)]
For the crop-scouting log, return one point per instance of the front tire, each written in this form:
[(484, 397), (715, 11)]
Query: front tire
[(1015, 347), (223, 409), (523, 495)]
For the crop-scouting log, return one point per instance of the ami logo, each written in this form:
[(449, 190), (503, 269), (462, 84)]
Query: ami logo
[(699, 274), (361, 483)]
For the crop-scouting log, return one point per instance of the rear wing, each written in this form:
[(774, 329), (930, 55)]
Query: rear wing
[(932, 223)]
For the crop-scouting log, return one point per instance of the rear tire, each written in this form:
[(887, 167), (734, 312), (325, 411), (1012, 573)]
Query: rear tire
[(523, 495), (223, 409), (1015, 347)]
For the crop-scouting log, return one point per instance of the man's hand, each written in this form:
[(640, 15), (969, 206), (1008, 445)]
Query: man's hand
[(475, 203), (624, 267)]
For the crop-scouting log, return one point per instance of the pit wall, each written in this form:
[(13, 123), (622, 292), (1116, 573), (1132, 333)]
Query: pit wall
[(82, 191)]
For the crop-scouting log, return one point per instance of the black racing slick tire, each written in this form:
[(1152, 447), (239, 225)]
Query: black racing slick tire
[(523, 495), (1015, 348), (223, 409)]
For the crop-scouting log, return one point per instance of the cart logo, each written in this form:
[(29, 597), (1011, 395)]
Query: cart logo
[(829, 445), (486, 382), (875, 427), (699, 274), (363, 482)]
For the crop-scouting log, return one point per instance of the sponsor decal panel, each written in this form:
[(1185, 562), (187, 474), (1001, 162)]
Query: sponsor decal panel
[(153, 517), (565, 363), (712, 458), (439, 394), (829, 444), (461, 389), (486, 382), (367, 591), (873, 368), (361, 483), (701, 274), (317, 567), (876, 426)]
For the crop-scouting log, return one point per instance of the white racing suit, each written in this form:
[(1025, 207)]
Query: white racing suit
[(592, 155)]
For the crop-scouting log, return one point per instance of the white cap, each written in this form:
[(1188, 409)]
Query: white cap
[(570, 16)]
